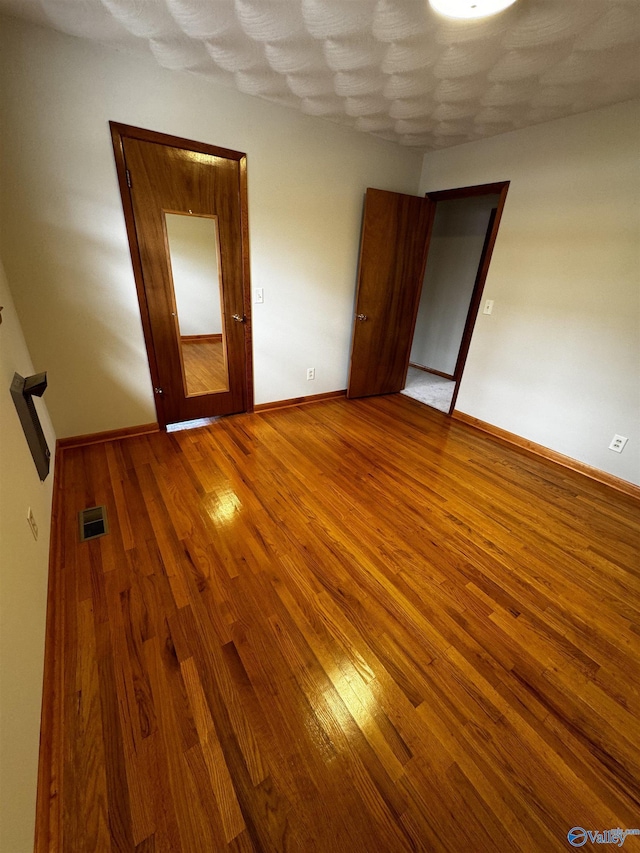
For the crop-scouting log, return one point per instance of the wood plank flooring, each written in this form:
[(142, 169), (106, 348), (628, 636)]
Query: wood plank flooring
[(348, 626)]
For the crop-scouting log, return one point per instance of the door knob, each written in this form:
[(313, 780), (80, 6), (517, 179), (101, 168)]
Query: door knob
[(239, 318), (361, 317)]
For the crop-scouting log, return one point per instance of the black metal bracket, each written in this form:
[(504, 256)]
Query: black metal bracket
[(23, 390)]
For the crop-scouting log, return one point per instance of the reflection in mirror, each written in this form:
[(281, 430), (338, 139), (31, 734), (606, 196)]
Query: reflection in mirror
[(194, 253)]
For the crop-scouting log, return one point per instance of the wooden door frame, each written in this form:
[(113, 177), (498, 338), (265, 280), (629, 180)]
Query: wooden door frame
[(500, 189), (118, 133)]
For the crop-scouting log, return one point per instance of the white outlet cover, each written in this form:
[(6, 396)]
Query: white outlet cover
[(488, 306), (618, 442)]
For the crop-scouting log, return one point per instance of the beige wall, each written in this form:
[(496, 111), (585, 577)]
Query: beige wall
[(23, 588), (558, 360), (63, 237)]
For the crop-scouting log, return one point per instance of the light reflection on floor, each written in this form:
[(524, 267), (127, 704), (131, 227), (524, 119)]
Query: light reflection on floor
[(197, 422), (222, 508)]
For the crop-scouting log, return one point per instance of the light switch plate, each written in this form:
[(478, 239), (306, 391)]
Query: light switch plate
[(32, 523)]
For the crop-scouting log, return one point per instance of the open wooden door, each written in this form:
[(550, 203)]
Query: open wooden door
[(185, 206), (393, 253)]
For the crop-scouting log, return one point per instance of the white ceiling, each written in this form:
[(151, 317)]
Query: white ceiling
[(392, 68)]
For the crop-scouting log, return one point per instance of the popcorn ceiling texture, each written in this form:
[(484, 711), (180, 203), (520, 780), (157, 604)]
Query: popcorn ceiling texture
[(392, 68)]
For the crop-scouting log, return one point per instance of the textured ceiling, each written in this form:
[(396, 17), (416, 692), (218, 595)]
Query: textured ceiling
[(392, 68)]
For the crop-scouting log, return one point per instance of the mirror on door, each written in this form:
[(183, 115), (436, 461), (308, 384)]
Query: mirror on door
[(194, 252)]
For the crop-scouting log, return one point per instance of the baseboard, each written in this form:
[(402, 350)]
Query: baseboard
[(201, 339), (621, 485), (298, 401), (108, 435), (48, 818), (431, 370)]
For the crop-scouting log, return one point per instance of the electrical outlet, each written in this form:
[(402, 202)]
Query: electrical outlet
[(259, 295), (311, 373), (32, 523), (488, 306), (617, 443)]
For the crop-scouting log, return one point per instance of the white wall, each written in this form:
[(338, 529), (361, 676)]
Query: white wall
[(64, 240), (23, 592), (455, 250), (558, 360)]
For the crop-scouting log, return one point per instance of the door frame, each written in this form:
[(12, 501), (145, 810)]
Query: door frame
[(118, 133), (500, 189)]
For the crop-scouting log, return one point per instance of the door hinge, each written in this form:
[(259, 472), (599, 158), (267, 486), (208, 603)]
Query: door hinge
[(128, 178), (158, 391)]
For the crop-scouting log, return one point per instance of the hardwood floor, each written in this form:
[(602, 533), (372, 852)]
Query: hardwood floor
[(349, 626), (205, 368)]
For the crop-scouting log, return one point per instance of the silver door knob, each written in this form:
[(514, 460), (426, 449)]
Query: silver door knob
[(361, 317), (239, 318)]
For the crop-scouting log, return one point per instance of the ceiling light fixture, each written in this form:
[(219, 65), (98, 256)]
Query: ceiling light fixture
[(470, 8)]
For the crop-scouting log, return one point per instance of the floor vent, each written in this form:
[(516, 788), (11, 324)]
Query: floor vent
[(93, 522)]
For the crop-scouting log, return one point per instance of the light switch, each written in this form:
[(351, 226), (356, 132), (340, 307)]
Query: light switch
[(488, 306), (259, 295)]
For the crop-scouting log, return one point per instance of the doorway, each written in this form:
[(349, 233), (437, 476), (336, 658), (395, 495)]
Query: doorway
[(461, 231), (185, 206), (420, 284)]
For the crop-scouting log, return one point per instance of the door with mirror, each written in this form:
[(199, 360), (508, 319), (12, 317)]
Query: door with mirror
[(185, 206)]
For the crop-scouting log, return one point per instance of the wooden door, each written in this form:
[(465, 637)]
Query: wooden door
[(393, 253), (185, 197)]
